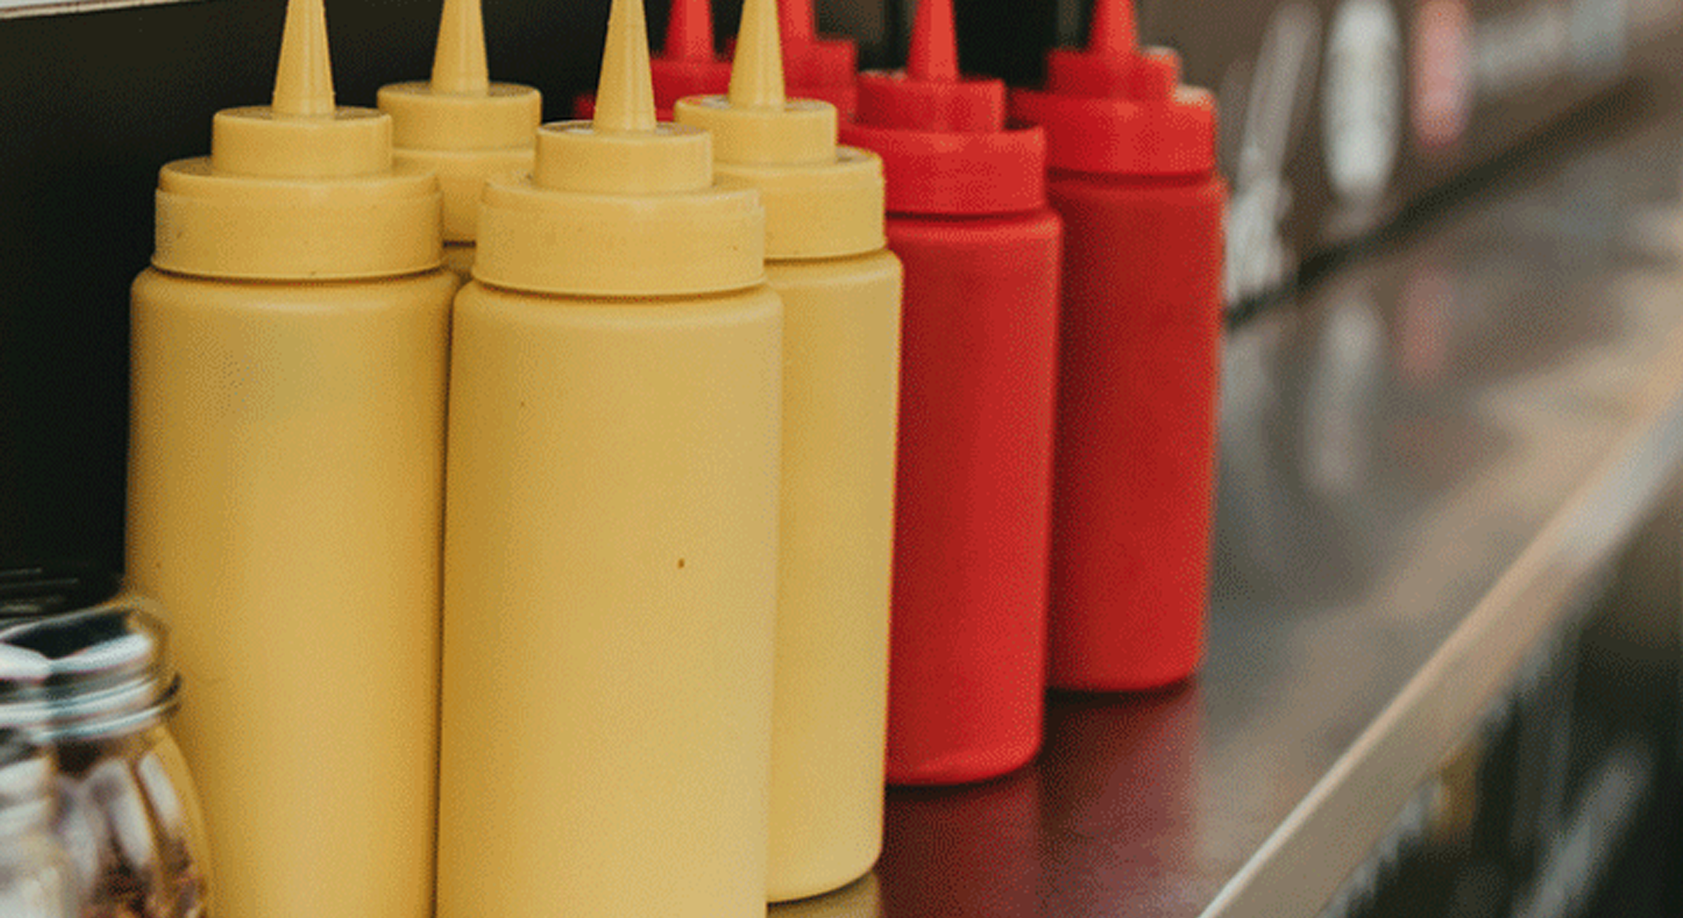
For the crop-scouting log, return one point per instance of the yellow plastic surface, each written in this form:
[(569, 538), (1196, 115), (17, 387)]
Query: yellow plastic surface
[(285, 484), (841, 292), (611, 554), (621, 206), (459, 258), (821, 200), (299, 190), (212, 224), (460, 125), (609, 592), (828, 211), (840, 373), (704, 241), (286, 494)]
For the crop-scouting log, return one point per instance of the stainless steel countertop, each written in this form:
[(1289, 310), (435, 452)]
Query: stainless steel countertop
[(1419, 463)]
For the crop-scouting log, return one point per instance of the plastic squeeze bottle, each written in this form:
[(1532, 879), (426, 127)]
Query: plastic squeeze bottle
[(687, 64), (462, 126), (611, 555), (826, 257), (824, 67), (289, 351), (1132, 158), (967, 216)]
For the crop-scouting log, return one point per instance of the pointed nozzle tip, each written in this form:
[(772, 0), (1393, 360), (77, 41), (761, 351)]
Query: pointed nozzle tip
[(689, 31), (625, 92), (1113, 31), (304, 75), (797, 21), (458, 64), (756, 79), (933, 56)]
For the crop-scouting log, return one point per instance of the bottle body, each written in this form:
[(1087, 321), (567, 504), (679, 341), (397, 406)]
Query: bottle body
[(1138, 366), (973, 495), (841, 368), (610, 586), (285, 506)]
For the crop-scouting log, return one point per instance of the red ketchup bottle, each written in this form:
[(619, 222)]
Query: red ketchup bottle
[(824, 67), (1132, 156), (968, 218), (686, 66)]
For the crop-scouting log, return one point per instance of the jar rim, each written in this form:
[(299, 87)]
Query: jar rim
[(95, 672)]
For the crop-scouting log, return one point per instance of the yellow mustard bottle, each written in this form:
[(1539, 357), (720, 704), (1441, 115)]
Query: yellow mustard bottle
[(826, 257), (611, 541), (289, 351), (462, 126)]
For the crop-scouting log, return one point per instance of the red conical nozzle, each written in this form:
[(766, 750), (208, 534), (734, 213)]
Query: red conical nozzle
[(1112, 33), (689, 31), (931, 95), (797, 22), (942, 137), (933, 57), (1108, 65), (814, 66), (1114, 107)]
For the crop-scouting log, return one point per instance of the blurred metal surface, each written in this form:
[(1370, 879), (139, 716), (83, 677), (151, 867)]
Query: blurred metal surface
[(1424, 466)]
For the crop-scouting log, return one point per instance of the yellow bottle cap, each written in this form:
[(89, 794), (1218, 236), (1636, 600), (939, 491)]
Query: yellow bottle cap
[(622, 205), (821, 200), (461, 125), (300, 189)]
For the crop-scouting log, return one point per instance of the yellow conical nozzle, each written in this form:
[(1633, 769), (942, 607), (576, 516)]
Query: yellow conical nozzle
[(301, 134), (299, 188), (756, 75), (624, 150), (458, 65), (623, 205), (821, 200), (304, 77), (625, 90), (461, 125)]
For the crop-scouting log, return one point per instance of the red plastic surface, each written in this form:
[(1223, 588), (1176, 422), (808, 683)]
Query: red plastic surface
[(942, 136), (1133, 176), (948, 173), (817, 67), (1113, 107), (1141, 324), (979, 333)]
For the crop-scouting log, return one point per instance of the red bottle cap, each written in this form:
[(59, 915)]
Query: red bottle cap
[(942, 136), (1116, 108), (815, 66), (687, 64)]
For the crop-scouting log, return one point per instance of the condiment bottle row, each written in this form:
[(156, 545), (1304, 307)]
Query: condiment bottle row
[(624, 422)]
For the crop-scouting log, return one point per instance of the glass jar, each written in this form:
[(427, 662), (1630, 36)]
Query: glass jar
[(97, 686), (35, 877)]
